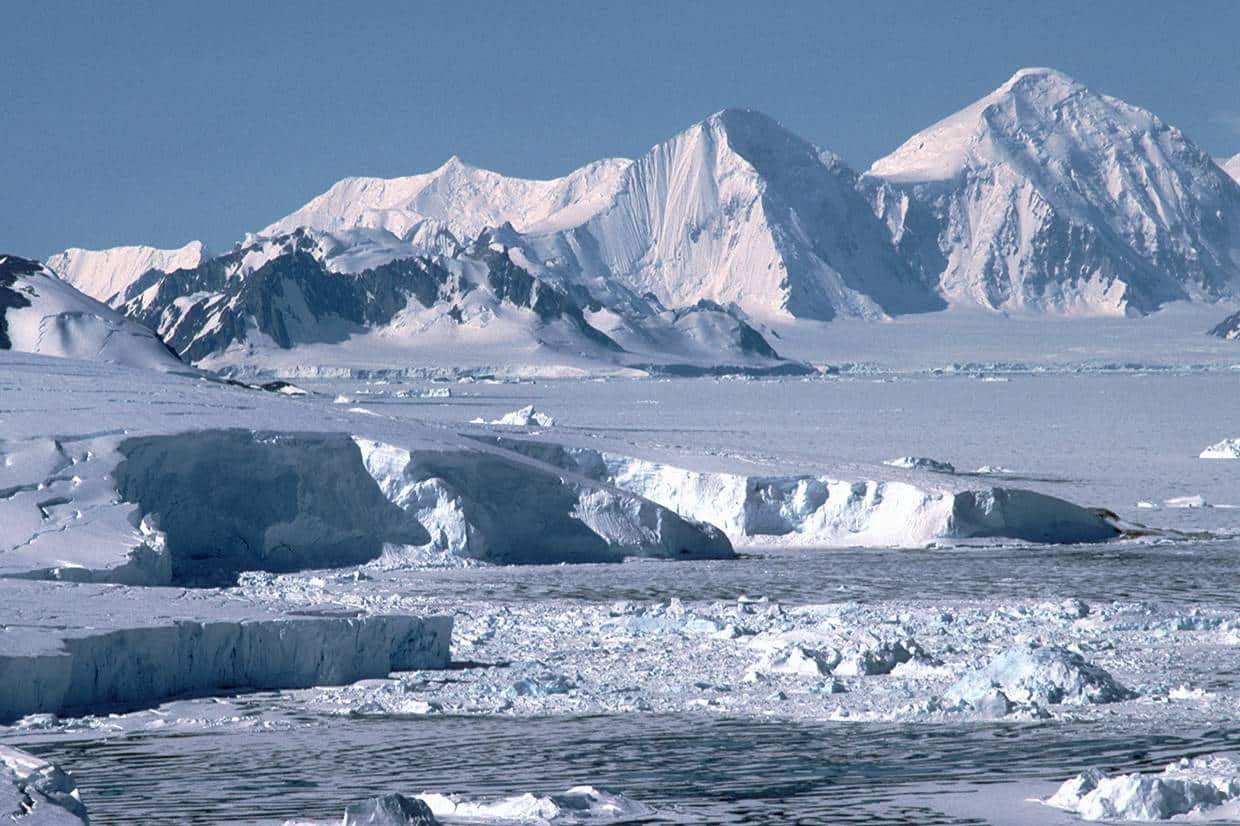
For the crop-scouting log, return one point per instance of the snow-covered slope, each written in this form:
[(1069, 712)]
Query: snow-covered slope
[(105, 274), (734, 209), (1048, 197), (40, 313), (460, 197)]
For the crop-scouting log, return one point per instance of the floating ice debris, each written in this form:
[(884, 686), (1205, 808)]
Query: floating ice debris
[(580, 804), (34, 792), (878, 657), (794, 661), (284, 388), (1187, 787), (541, 685), (921, 463), (390, 810), (1042, 675), (431, 393), (1186, 502), (525, 417), (1226, 449)]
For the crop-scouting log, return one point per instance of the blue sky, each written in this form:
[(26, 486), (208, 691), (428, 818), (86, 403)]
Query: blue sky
[(145, 122)]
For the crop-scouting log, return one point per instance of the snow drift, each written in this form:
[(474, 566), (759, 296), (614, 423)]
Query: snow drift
[(820, 511)]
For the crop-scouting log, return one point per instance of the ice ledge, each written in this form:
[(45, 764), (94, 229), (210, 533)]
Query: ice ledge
[(76, 648), (818, 511)]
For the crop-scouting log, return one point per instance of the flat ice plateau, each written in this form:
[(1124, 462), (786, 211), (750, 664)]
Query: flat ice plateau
[(203, 578)]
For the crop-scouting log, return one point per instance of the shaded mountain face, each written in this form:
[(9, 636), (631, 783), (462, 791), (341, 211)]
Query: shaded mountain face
[(1045, 196), (280, 293), (41, 313), (11, 297), (1228, 328)]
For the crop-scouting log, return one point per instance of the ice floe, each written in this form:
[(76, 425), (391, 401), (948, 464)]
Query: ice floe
[(921, 463), (33, 792), (1202, 788), (1226, 449), (527, 416)]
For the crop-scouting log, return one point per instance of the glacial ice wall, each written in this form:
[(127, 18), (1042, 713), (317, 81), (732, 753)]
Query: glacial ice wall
[(809, 511), (199, 507), (84, 670), (502, 508), (234, 500)]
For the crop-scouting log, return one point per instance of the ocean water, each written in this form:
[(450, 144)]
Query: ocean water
[(691, 768)]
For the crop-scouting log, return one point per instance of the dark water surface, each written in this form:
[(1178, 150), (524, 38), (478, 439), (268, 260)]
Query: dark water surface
[(692, 769)]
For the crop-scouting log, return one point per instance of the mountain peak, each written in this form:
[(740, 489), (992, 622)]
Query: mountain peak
[(1043, 162), (455, 164), (1039, 74)]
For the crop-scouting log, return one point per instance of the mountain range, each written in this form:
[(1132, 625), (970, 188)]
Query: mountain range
[(1042, 197)]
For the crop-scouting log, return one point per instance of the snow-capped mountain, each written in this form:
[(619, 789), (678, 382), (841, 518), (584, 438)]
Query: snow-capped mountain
[(735, 209), (1045, 196), (106, 274), (1228, 328), (41, 313), (1232, 166), (365, 298)]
